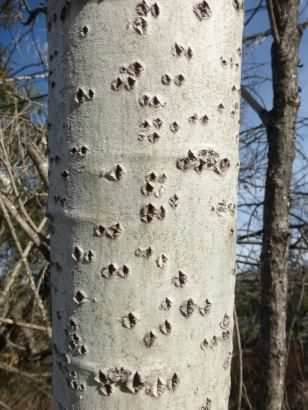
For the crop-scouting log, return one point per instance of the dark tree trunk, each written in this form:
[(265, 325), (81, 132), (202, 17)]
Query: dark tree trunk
[(281, 135)]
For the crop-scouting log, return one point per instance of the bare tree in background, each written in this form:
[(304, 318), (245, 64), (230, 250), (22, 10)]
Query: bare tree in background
[(280, 127), (280, 124)]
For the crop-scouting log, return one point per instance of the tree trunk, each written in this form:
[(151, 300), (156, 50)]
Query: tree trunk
[(281, 135), (143, 156)]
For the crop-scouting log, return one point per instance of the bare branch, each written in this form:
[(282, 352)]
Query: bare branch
[(8, 167), (33, 14), (257, 37), (24, 260), (240, 360), (271, 7), (24, 324), (11, 278), (37, 76), (39, 162), (38, 239), (255, 105)]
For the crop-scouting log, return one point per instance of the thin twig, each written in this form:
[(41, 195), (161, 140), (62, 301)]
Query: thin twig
[(8, 167), (247, 397), (19, 265), (37, 76), (5, 406), (254, 13), (273, 20), (26, 325), (39, 163), (255, 105), (296, 312), (30, 377), (240, 361), (25, 261), (33, 14), (253, 38), (33, 236)]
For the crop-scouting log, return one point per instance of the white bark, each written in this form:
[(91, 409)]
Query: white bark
[(143, 151)]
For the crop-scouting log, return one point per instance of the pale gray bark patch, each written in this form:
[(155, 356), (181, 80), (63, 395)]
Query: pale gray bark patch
[(142, 124)]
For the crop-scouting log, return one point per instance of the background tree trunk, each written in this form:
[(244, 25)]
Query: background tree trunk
[(143, 155), (281, 152)]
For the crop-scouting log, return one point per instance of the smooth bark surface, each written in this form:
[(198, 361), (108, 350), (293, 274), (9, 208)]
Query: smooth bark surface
[(281, 135), (143, 157)]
